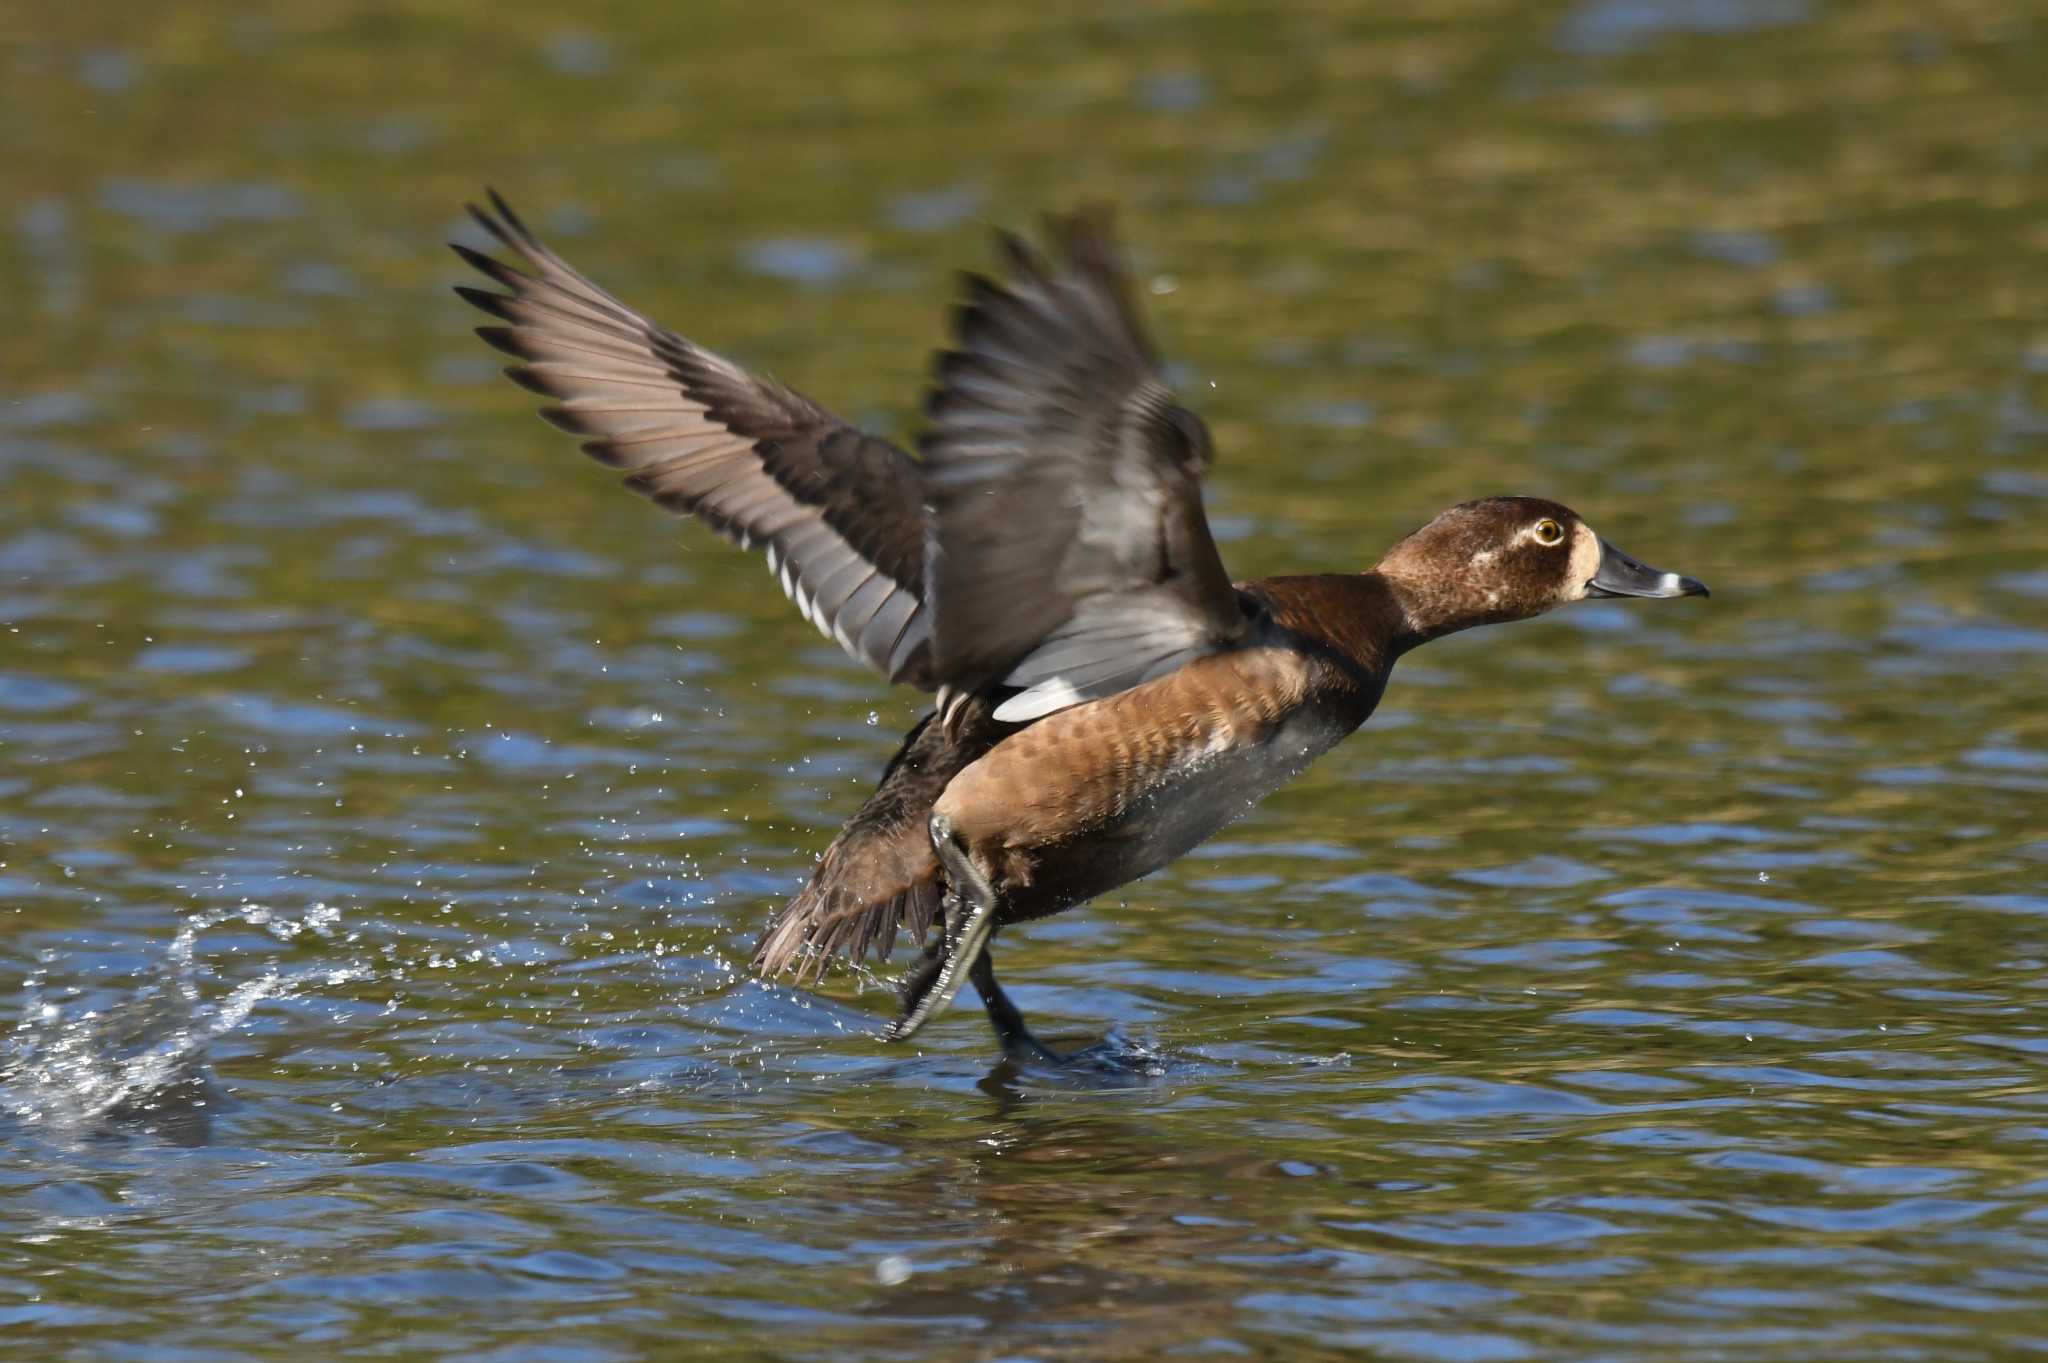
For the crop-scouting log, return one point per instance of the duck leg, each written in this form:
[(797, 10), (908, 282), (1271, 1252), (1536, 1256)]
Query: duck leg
[(1019, 1045), (970, 920)]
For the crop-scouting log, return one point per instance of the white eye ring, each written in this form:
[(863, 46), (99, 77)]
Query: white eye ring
[(1549, 532)]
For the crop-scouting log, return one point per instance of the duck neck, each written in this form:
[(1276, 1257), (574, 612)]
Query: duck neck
[(1427, 603), (1355, 615)]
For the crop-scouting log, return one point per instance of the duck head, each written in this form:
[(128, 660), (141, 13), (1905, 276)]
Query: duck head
[(1508, 558)]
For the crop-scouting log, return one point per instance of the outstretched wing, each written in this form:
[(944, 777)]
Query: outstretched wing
[(1069, 555), (840, 513)]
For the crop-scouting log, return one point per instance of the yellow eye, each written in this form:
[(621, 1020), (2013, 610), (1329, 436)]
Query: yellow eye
[(1549, 532)]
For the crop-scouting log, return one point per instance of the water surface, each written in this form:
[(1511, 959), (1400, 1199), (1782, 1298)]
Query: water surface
[(388, 803)]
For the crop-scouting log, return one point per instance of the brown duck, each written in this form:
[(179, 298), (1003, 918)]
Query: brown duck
[(1105, 696)]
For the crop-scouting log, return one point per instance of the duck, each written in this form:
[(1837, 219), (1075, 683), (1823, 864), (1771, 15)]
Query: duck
[(1104, 696)]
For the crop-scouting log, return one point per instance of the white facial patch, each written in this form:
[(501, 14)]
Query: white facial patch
[(1585, 562)]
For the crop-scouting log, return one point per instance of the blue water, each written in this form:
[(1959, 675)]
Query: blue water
[(388, 803)]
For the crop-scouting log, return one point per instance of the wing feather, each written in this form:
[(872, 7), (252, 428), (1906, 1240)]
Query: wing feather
[(1070, 554), (841, 513)]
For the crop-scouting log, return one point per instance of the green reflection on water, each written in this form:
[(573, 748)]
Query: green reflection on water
[(1647, 982)]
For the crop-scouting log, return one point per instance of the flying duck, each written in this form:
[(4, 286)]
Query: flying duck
[(1105, 696)]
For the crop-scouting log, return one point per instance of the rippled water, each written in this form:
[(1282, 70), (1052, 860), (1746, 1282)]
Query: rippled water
[(387, 803)]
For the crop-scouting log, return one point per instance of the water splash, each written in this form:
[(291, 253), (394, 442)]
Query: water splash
[(71, 1067), (1116, 1062)]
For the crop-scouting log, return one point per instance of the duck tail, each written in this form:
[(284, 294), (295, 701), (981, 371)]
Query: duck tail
[(881, 875), (842, 912)]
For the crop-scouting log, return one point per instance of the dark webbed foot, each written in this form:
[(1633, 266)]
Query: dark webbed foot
[(970, 921), (932, 985)]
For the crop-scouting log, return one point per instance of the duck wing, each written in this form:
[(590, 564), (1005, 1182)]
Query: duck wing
[(839, 512), (1068, 552)]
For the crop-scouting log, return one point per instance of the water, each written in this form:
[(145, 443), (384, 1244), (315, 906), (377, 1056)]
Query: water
[(387, 802)]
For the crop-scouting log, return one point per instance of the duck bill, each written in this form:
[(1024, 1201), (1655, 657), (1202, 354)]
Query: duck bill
[(1621, 575)]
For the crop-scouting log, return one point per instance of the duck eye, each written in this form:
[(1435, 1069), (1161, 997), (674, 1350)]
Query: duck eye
[(1549, 532)]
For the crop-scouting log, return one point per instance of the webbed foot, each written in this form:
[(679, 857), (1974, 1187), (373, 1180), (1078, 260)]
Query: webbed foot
[(930, 987)]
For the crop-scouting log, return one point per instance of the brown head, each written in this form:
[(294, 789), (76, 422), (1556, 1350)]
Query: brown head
[(1508, 558)]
